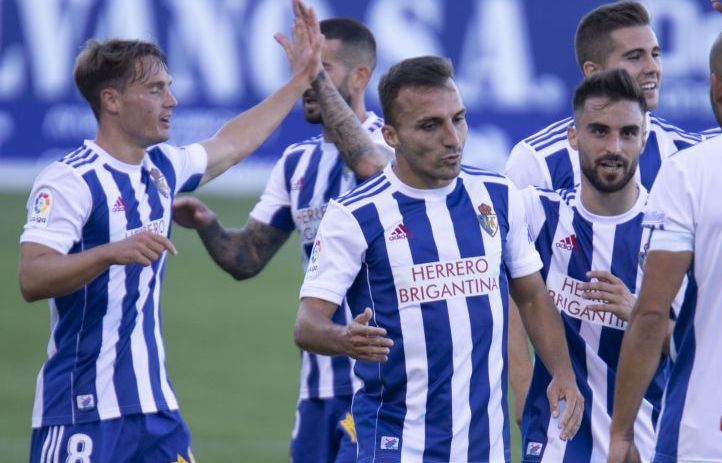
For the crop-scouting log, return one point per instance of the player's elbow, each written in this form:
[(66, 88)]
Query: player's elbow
[(368, 168), (300, 334), (29, 288)]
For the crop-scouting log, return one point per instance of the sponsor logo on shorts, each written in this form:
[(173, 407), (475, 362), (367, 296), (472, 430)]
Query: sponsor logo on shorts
[(85, 401), (534, 448), (389, 443)]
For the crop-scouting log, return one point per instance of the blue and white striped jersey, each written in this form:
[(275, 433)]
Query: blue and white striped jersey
[(303, 181), (433, 265), (546, 159), (684, 213), (572, 241), (105, 355)]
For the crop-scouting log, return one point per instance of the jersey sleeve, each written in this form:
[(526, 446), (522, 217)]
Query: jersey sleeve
[(274, 207), (58, 207), (520, 256), (524, 169), (189, 163), (534, 210), (336, 258), (670, 212)]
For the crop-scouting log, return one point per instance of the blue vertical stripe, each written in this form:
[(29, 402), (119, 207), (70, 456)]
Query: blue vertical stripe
[(437, 333), (333, 189), (289, 167), (676, 393), (379, 408), (560, 169), (309, 179), (158, 158), (650, 161), (156, 207), (149, 321)]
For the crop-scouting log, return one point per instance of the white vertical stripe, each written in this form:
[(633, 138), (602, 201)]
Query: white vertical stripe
[(555, 447), (325, 376), (460, 325), (305, 371), (53, 444), (495, 410), (46, 445), (58, 444), (107, 400), (414, 344), (165, 387), (602, 252)]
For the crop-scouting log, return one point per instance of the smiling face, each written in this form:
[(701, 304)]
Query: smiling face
[(636, 50), (144, 107), (429, 135), (609, 137)]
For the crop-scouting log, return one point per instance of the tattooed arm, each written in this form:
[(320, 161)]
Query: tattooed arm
[(240, 252), (342, 125)]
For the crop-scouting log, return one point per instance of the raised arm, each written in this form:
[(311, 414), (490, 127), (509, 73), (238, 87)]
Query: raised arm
[(354, 143), (243, 134), (240, 252), (544, 325)]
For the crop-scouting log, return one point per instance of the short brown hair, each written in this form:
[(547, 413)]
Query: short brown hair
[(592, 41), (424, 71), (614, 84), (113, 63)]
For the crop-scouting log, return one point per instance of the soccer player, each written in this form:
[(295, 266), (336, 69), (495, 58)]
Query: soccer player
[(422, 252), (615, 35), (306, 177), (95, 245), (684, 216), (593, 232)]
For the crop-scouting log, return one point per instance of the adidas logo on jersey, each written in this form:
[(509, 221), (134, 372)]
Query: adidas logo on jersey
[(400, 233), (119, 205), (569, 243)]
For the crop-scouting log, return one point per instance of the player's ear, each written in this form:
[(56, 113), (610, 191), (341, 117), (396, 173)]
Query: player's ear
[(590, 67), (360, 77), (572, 136), (390, 135), (110, 100)]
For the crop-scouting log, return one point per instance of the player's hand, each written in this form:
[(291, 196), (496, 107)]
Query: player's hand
[(611, 292), (622, 450), (190, 212), (304, 50), (717, 5), (143, 248), (364, 342), (563, 390)]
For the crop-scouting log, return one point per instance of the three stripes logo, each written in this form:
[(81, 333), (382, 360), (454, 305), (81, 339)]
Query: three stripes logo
[(119, 205), (400, 233), (569, 243)]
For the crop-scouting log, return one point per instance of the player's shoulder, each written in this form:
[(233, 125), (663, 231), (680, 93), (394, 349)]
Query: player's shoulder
[(367, 192), (705, 153), (659, 125), (549, 139), (303, 147)]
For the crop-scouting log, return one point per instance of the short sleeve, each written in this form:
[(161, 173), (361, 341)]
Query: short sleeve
[(670, 212), (524, 169), (274, 207), (189, 163), (58, 207), (534, 210), (520, 256), (336, 258)]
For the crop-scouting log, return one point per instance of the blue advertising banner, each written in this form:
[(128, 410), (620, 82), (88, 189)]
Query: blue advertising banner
[(514, 62)]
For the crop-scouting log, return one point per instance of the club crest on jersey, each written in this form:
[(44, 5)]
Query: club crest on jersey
[(160, 182), (487, 219)]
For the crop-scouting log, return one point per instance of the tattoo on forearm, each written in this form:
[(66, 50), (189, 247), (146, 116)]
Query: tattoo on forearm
[(343, 126), (245, 252)]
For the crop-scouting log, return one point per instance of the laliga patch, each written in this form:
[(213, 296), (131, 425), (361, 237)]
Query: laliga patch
[(315, 255), (40, 210)]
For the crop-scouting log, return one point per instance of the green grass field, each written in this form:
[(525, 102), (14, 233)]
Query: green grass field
[(230, 352)]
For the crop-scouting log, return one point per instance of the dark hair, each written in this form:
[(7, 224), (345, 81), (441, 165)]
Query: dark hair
[(592, 41), (614, 84), (358, 41), (114, 63), (424, 71)]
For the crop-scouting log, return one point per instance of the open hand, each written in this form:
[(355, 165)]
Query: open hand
[(364, 342), (190, 212), (610, 292)]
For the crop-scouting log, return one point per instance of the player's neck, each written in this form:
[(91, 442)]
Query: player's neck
[(120, 147), (609, 204)]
